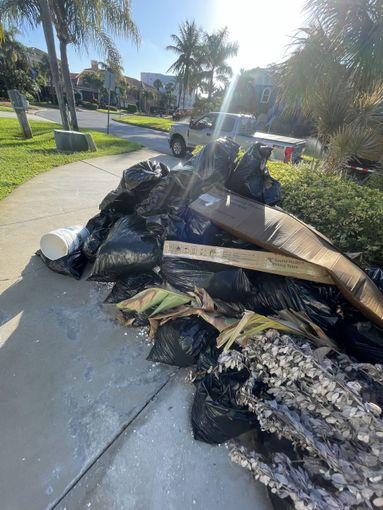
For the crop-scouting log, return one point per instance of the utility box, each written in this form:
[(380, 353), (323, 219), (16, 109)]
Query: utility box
[(73, 141)]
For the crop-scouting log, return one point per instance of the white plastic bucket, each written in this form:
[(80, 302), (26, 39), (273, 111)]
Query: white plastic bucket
[(59, 243)]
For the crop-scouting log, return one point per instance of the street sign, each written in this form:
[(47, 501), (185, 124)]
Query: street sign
[(109, 84), (109, 80)]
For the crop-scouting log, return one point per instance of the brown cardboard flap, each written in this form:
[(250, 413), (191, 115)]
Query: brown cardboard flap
[(277, 231), (264, 261)]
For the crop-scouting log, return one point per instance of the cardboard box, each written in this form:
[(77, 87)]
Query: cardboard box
[(264, 261), (274, 230)]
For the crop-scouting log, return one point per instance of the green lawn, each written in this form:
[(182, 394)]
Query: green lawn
[(105, 110), (158, 123), (42, 104), (20, 159), (6, 109)]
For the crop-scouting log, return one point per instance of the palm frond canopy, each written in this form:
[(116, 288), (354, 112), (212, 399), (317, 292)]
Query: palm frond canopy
[(355, 28)]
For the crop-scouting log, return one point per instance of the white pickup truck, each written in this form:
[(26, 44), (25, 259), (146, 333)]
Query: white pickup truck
[(238, 127)]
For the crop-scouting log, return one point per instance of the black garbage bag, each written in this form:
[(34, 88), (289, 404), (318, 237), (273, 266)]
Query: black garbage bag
[(70, 265), (376, 275), (174, 191), (142, 177), (98, 228), (362, 339), (271, 293), (214, 163), (129, 248), (180, 341), (190, 227), (131, 284), (207, 359), (216, 417), (119, 201), (176, 227), (251, 178), (223, 282), (200, 230)]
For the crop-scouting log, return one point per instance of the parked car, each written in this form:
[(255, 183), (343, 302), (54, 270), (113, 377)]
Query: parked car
[(241, 128)]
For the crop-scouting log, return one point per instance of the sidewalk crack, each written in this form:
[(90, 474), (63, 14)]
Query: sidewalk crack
[(106, 448)]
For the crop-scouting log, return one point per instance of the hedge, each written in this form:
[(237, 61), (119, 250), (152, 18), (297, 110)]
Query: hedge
[(349, 214), (88, 105), (131, 108)]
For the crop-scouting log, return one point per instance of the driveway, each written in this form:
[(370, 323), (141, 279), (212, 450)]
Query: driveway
[(150, 138)]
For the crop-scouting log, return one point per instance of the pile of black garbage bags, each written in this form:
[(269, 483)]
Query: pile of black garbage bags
[(149, 206)]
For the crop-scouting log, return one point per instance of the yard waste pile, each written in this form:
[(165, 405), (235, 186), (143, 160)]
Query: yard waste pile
[(282, 331)]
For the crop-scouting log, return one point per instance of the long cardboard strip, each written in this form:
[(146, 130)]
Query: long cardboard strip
[(266, 262), (274, 230)]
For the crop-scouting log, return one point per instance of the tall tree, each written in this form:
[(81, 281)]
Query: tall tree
[(346, 111), (15, 72), (187, 46), (34, 12), (169, 87), (216, 50), (78, 23), (355, 31), (158, 84), (88, 22)]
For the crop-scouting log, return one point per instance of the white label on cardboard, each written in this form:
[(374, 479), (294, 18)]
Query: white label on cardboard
[(208, 199)]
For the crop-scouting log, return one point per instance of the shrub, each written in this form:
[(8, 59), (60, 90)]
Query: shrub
[(349, 214), (375, 181), (132, 108), (88, 105)]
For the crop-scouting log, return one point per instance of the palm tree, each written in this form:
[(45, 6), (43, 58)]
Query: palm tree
[(216, 51), (34, 12), (78, 23), (158, 84), (347, 115), (88, 21), (169, 87), (187, 47), (355, 30)]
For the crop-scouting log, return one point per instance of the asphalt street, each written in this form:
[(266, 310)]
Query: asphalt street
[(155, 140)]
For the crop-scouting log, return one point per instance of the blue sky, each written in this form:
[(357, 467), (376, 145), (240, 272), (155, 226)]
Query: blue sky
[(262, 29)]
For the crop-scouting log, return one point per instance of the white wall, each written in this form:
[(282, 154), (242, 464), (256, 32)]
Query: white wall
[(150, 78)]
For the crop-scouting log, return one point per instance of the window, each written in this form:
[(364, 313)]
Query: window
[(247, 126), (205, 122), (227, 123), (266, 93)]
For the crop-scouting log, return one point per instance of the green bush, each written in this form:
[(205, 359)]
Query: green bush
[(132, 108), (88, 105), (349, 214), (375, 181)]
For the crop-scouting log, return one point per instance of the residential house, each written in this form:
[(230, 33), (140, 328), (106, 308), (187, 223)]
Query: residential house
[(150, 78), (88, 87)]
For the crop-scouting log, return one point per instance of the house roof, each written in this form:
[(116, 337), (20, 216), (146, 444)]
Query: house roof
[(132, 82)]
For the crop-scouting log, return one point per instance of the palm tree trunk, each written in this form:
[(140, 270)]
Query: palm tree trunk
[(183, 98), (185, 86), (68, 84), (46, 21), (179, 94), (210, 91)]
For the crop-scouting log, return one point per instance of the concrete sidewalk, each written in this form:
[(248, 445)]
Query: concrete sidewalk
[(85, 420), (31, 115)]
